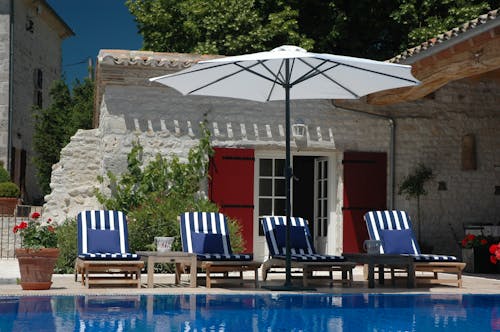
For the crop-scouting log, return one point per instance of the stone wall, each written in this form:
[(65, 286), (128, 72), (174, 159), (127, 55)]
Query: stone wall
[(433, 134), (429, 131), (4, 79), (40, 49), (165, 122)]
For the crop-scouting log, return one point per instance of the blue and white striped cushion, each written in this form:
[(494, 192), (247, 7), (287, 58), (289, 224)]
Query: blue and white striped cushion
[(433, 258), (312, 258), (213, 223), (219, 257), (103, 220), (308, 254), (270, 223), (379, 220), (107, 256)]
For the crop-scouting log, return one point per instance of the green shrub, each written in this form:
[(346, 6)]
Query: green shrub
[(67, 244), (9, 189), (154, 195), (235, 236), (4, 175)]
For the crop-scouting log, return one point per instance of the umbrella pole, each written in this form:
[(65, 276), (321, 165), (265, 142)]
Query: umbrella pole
[(288, 175)]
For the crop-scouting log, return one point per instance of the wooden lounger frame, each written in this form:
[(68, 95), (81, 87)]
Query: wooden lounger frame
[(224, 267), (309, 267), (92, 272)]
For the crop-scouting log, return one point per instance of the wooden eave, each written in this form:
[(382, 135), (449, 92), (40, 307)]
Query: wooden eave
[(472, 53)]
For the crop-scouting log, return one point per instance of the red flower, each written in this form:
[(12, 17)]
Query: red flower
[(495, 253), (35, 233), (22, 225), (474, 241)]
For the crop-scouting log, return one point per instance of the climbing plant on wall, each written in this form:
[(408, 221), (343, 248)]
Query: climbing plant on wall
[(153, 195)]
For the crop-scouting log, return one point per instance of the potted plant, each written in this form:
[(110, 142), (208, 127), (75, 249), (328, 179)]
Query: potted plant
[(413, 187), (38, 253), (475, 252), (495, 253), (9, 193)]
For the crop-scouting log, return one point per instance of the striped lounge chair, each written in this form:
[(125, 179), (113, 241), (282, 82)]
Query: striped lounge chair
[(303, 254), (103, 249), (394, 230), (206, 234)]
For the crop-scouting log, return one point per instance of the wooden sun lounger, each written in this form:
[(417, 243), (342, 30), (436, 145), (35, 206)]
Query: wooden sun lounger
[(91, 272), (211, 267), (309, 267)]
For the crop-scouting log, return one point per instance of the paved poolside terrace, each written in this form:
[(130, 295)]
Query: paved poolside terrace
[(64, 284)]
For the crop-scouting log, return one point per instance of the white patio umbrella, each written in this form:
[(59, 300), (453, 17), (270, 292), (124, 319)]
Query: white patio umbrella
[(286, 73)]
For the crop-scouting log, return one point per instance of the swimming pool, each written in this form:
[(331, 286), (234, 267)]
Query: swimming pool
[(263, 312)]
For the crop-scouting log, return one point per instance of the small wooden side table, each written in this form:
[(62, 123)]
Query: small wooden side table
[(381, 260), (175, 257)]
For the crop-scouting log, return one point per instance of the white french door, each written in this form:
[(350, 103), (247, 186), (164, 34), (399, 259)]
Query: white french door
[(321, 211)]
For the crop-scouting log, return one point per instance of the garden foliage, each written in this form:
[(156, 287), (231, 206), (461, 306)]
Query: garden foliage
[(153, 195), (67, 244)]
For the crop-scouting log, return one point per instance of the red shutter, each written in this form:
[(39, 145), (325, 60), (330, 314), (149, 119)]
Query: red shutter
[(231, 187), (365, 181)]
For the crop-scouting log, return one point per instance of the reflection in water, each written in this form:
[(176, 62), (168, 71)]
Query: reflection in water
[(107, 313), (32, 313), (268, 312)]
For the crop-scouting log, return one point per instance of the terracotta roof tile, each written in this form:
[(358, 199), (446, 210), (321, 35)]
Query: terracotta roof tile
[(148, 58), (443, 37)]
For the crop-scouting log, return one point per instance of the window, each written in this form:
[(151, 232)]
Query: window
[(271, 188), (38, 91), (321, 189)]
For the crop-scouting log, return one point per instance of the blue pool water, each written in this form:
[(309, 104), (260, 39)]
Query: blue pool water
[(268, 312)]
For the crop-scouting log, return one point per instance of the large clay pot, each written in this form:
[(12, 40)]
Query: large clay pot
[(478, 260), (8, 205), (36, 267)]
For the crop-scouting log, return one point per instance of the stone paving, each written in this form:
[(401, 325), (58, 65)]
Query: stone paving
[(164, 284)]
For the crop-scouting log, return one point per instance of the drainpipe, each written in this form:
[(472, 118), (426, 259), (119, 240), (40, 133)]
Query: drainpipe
[(392, 146), (11, 88)]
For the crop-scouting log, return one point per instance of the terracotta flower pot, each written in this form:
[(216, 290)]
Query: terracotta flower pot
[(8, 205), (36, 267)]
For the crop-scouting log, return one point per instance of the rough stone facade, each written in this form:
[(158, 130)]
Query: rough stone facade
[(432, 134), (36, 36), (4, 79), (429, 130)]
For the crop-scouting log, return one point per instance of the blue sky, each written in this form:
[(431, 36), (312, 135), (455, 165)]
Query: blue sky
[(97, 24)]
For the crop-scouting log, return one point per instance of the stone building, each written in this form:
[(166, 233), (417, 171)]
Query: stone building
[(352, 159), (31, 35)]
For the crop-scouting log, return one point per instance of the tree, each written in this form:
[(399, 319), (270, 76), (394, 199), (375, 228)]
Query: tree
[(54, 125), (377, 29), (413, 187), (421, 20), (226, 27), (354, 28)]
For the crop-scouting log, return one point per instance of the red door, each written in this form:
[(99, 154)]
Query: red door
[(231, 187), (365, 189)]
